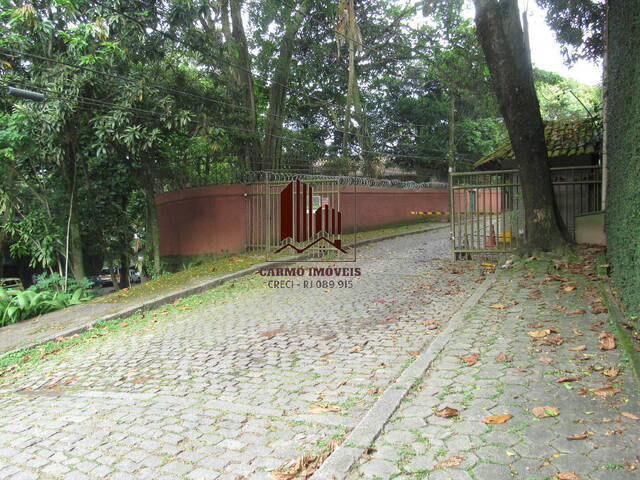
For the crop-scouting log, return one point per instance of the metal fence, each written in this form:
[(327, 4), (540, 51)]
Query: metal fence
[(486, 209), (265, 222)]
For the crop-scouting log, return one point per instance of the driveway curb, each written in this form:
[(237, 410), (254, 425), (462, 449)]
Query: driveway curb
[(195, 289), (340, 462)]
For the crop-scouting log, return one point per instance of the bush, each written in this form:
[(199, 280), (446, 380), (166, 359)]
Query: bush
[(45, 296)]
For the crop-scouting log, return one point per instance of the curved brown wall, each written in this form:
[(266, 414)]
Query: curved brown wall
[(202, 220), (212, 219)]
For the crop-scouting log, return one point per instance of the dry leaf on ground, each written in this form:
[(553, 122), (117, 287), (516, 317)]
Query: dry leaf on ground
[(569, 287), (271, 333), (578, 436), (577, 311), (546, 360), (498, 306), (630, 416), (356, 349), (570, 378), (497, 419), (567, 476), (326, 408), (607, 341), (579, 348), (502, 357), (453, 461), (545, 411), (553, 340), (539, 333), (611, 372), (447, 412), (577, 332), (607, 391), (470, 359)]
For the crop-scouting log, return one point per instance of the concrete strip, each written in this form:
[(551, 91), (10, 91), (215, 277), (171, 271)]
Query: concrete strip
[(200, 287), (329, 419), (340, 462)]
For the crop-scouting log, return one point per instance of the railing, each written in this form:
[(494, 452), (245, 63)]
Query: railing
[(487, 214)]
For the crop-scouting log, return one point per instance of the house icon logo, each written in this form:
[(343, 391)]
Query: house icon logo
[(308, 220)]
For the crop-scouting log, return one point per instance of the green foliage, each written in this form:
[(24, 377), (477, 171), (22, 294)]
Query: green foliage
[(45, 297), (623, 153), (578, 25), (563, 99)]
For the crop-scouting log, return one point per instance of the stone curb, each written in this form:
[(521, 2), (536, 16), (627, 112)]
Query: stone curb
[(195, 289), (340, 462)]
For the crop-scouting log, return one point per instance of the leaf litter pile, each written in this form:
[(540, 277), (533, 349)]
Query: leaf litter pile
[(304, 466)]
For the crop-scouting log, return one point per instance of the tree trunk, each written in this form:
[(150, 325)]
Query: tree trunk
[(124, 271), (502, 40), (278, 90), (250, 146), (75, 240), (452, 133), (153, 228)]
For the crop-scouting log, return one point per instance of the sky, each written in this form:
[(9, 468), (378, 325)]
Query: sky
[(546, 54)]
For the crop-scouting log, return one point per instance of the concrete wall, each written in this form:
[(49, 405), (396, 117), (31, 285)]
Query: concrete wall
[(213, 219)]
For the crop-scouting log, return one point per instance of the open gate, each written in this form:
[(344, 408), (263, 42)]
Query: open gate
[(486, 209)]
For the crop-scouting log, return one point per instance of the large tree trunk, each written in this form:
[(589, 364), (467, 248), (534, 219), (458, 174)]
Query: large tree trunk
[(278, 90), (503, 43), (249, 149)]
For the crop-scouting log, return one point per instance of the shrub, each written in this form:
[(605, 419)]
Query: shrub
[(45, 296)]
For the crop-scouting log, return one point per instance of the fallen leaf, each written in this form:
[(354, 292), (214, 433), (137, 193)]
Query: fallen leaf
[(69, 381), (630, 415), (596, 326), (141, 379), (579, 436), (567, 476), (558, 308), (579, 348), (577, 332), (611, 372), (176, 302), (326, 408), (453, 461), (470, 359), (607, 341), (597, 309), (413, 353), (498, 306), (271, 333), (607, 391), (124, 324), (356, 349), (447, 412), (569, 287), (503, 358), (497, 419), (546, 411), (577, 311), (374, 391), (546, 360), (539, 333), (571, 378), (554, 340)]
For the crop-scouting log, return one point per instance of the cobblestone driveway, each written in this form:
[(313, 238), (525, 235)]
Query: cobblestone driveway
[(223, 390)]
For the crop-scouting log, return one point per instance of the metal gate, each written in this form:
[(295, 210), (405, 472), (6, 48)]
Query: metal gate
[(487, 215), (315, 215)]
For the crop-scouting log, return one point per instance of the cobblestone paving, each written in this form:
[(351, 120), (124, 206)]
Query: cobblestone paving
[(418, 444), (223, 390)]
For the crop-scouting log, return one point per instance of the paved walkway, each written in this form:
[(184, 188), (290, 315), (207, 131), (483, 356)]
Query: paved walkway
[(534, 355), (226, 389)]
